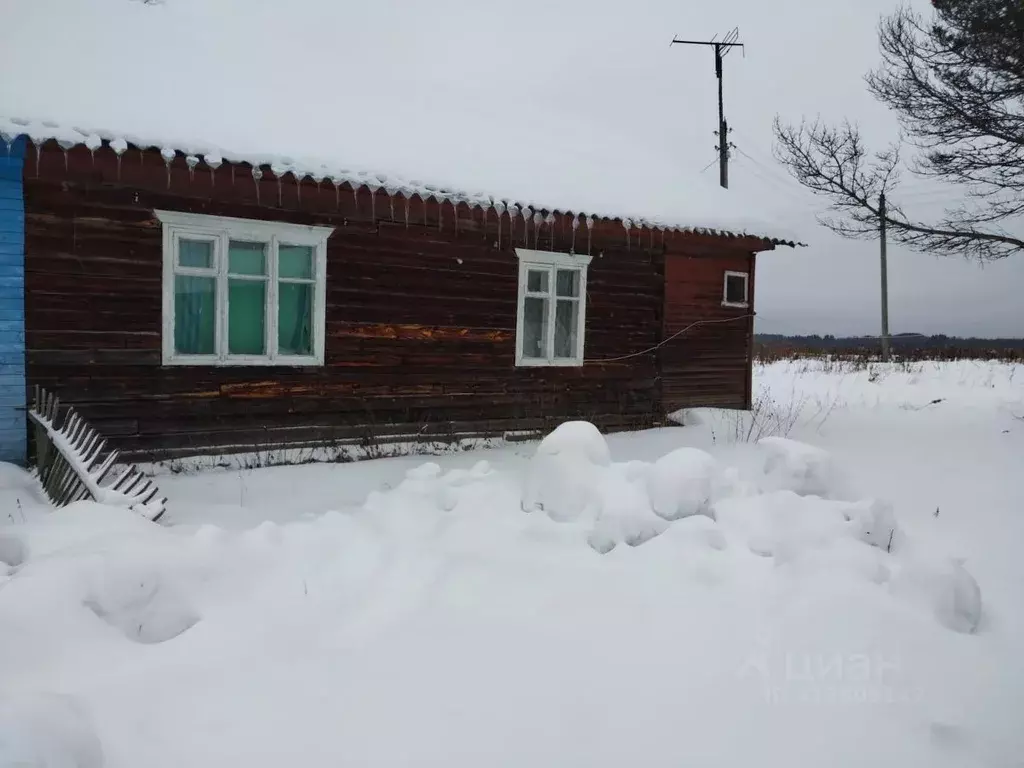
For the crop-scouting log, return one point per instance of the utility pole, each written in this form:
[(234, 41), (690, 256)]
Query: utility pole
[(885, 278), (722, 48)]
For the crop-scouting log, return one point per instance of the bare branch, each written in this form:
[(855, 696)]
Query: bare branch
[(956, 82)]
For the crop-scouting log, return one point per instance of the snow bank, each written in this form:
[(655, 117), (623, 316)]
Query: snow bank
[(680, 483), (944, 588), (622, 514), (798, 467), (48, 731), (439, 609), (564, 475), (874, 522)]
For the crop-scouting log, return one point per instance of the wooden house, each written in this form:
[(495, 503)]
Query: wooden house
[(193, 304)]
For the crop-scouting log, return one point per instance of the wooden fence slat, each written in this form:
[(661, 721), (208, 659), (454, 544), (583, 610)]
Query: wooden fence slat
[(68, 464)]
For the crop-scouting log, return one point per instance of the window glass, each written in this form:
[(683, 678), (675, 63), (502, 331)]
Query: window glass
[(247, 317), (247, 258), (566, 328), (295, 261), (537, 281), (195, 319), (736, 289), (567, 283), (535, 327), (195, 253), (295, 319)]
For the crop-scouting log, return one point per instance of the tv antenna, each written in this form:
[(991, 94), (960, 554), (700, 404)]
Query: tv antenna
[(722, 48)]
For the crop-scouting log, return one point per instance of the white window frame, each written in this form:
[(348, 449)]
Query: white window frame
[(220, 230), (746, 290), (551, 261)]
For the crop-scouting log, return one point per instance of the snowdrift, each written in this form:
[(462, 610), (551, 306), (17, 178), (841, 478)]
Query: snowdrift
[(455, 603)]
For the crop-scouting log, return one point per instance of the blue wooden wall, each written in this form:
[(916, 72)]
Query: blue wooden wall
[(12, 304)]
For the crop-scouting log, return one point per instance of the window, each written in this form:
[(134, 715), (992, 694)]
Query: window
[(552, 311), (734, 293), (242, 292)]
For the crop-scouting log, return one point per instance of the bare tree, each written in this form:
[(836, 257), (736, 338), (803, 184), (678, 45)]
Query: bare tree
[(956, 82)]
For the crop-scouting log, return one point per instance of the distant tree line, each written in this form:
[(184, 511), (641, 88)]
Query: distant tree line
[(908, 346)]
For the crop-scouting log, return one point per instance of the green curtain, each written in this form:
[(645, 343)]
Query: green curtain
[(247, 301), (194, 315), (295, 319)]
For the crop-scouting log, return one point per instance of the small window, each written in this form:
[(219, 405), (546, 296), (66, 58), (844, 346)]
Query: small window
[(552, 308), (735, 291), (241, 292)]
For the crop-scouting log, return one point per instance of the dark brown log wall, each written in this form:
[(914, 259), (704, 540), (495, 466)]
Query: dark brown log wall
[(421, 313), (709, 364)]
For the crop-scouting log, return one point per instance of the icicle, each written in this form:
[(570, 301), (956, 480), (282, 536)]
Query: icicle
[(390, 192), (373, 202), (39, 155), (232, 166), (93, 142), (65, 145), (299, 177), (628, 225), (8, 143), (538, 221), (527, 216), (257, 174), (575, 226), (499, 209), (590, 232), (119, 146), (455, 207), (406, 195), (191, 161), (513, 212), (652, 239), (663, 237), (317, 178), (279, 171), (483, 219), (550, 221), (168, 155), (440, 213), (214, 161), (355, 194)]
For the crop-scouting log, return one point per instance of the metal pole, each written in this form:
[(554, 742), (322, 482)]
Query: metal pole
[(885, 278)]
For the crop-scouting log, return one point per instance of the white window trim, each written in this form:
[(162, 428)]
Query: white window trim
[(551, 260), (219, 230), (746, 290)]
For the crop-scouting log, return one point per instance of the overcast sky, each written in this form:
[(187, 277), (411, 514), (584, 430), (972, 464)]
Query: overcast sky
[(418, 84)]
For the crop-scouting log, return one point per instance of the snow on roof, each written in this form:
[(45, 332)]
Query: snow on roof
[(358, 93), (716, 223)]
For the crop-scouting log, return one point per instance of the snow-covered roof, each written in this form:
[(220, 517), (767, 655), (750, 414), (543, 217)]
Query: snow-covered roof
[(717, 223)]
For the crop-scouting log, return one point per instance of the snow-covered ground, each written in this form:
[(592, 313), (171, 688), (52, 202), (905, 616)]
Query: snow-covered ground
[(684, 596)]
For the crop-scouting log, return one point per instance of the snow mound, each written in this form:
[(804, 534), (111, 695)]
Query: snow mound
[(798, 467), (577, 438), (12, 551), (680, 483), (623, 512), (874, 523), (566, 471), (48, 731), (943, 587), (135, 599)]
